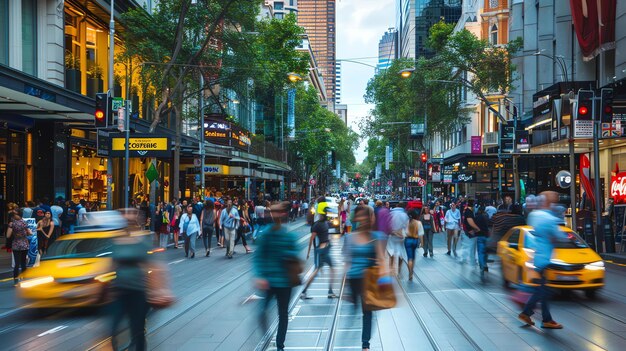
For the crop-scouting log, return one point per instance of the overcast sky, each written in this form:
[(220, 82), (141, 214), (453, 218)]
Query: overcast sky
[(360, 25)]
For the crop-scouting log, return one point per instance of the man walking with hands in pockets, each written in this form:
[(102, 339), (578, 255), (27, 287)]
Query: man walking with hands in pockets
[(229, 221)]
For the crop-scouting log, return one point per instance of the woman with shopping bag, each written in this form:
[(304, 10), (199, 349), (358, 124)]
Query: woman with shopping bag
[(367, 273)]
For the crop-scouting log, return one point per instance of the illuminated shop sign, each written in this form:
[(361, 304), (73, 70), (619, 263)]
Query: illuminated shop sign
[(225, 133), (618, 188)]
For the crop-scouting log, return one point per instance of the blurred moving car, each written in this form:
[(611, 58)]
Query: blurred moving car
[(574, 265), (332, 212), (77, 268)]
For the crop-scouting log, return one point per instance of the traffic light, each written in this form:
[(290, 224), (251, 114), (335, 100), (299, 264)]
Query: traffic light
[(101, 115), (606, 105), (584, 108), (424, 157)]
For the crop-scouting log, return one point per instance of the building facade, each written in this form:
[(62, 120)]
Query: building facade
[(562, 53), (414, 18), (318, 19), (387, 49)]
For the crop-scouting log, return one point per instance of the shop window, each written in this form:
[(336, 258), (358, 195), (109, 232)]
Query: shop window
[(88, 176), (4, 32), (29, 37)]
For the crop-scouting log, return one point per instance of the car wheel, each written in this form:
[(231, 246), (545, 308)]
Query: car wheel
[(590, 294)]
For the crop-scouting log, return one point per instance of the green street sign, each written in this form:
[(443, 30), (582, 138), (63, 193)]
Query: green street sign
[(117, 103), (152, 173)]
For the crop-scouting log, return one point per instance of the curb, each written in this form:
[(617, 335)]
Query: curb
[(619, 259)]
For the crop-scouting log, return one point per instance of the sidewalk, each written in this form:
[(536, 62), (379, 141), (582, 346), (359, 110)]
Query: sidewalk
[(6, 270)]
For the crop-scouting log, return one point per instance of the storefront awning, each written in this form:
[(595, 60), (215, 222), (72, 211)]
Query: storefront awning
[(27, 96)]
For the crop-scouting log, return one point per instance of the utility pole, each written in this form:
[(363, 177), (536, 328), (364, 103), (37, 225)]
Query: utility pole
[(111, 90)]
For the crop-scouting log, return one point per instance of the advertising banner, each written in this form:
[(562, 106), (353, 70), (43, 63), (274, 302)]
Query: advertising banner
[(140, 145)]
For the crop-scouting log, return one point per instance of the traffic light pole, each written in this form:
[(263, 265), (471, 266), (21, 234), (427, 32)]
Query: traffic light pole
[(596, 174)]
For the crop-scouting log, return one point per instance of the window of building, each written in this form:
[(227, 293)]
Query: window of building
[(279, 16), (292, 2), (278, 5), (4, 32), (29, 37), (494, 34)]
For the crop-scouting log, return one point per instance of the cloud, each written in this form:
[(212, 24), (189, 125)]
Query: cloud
[(360, 25)]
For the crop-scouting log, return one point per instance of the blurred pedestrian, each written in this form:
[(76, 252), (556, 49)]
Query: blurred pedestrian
[(428, 222), (319, 231), (207, 218), (399, 222), (45, 228), (129, 289), (161, 223), (18, 232), (415, 234), (219, 232), (546, 229), (244, 226), (229, 221), (470, 229), (482, 221), (452, 221), (175, 224), (277, 250), (57, 211), (363, 249), (259, 212), (502, 222), (191, 229)]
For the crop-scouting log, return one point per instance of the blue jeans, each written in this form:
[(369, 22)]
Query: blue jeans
[(542, 294), (481, 244)]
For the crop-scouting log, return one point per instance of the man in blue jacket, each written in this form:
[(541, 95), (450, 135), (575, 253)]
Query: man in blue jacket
[(546, 232)]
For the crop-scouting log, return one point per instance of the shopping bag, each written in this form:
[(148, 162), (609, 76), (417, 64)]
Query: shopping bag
[(158, 289), (377, 296)]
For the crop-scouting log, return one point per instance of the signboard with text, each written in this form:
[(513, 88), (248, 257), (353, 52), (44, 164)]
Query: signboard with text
[(618, 188), (221, 132), (140, 145)]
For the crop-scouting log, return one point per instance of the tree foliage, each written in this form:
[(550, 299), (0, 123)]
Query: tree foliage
[(435, 88), (319, 131)]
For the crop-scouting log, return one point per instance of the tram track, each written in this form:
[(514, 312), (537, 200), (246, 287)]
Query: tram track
[(425, 328), (566, 344)]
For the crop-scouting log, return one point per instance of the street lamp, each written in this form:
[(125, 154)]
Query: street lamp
[(407, 72), (294, 77)]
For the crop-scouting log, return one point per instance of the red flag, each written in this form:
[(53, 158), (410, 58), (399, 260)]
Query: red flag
[(585, 166), (594, 22)]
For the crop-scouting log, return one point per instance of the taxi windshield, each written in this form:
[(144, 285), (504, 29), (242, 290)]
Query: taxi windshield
[(573, 241), (79, 248)]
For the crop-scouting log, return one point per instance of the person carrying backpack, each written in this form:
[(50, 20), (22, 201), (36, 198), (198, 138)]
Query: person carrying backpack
[(207, 219)]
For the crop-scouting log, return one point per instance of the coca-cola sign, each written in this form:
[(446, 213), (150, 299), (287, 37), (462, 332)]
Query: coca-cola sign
[(618, 188)]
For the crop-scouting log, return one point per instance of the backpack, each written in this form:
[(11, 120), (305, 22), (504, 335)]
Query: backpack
[(208, 219)]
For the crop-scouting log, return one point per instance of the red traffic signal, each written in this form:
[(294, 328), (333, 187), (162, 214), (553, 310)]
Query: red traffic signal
[(606, 101), (584, 104), (102, 110), (424, 157)]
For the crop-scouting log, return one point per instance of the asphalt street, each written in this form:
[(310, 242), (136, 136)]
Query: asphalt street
[(445, 307)]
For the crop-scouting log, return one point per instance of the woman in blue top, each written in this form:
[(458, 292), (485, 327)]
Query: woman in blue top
[(364, 249)]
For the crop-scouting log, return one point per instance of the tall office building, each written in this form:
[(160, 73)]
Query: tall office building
[(386, 50), (318, 19), (337, 82), (414, 18)]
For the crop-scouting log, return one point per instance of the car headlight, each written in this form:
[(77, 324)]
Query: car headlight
[(36, 282), (595, 266), (335, 222)]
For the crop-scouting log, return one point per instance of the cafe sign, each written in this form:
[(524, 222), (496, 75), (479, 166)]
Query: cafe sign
[(618, 188), (140, 145)]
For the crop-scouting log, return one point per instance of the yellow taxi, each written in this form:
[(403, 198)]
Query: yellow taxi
[(77, 268), (574, 265)]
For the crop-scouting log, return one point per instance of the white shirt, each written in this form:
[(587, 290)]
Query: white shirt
[(399, 220), (490, 210), (452, 219), (82, 214), (259, 211)]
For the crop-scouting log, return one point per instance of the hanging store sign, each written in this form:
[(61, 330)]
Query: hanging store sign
[(477, 144), (564, 179), (618, 188), (216, 169), (221, 132), (140, 145)]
